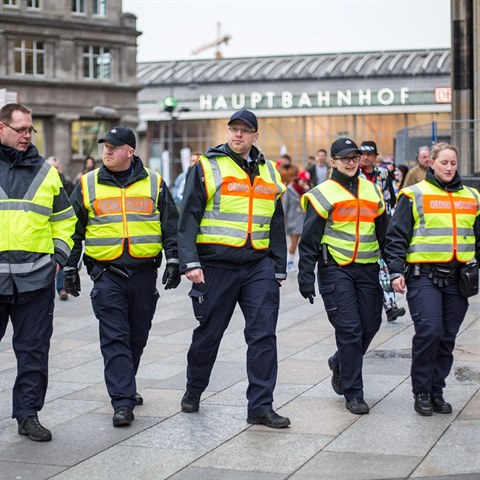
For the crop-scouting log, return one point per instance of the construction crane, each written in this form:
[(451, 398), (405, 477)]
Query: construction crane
[(216, 43)]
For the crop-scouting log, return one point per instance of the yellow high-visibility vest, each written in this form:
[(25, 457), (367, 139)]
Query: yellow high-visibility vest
[(350, 228), (118, 214), (30, 225), (443, 223), (235, 208)]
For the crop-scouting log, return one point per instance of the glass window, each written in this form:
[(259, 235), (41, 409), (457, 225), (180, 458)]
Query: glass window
[(100, 8), (10, 3), (34, 4), (97, 62), (29, 57), (85, 134), (78, 6)]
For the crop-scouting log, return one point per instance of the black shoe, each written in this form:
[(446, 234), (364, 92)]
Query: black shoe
[(190, 402), (33, 429), (270, 419), (394, 313), (336, 384), (440, 405), (138, 399), (423, 404), (123, 417), (357, 406)]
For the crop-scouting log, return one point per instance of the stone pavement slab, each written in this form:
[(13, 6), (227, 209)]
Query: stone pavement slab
[(324, 441)]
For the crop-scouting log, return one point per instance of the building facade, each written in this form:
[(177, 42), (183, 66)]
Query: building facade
[(73, 62), (303, 102)]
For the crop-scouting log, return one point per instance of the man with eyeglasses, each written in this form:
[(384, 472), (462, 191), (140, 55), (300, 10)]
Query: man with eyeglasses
[(232, 247), (343, 232), (37, 223)]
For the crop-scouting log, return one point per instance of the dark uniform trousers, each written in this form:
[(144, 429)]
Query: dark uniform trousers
[(255, 289), (353, 301), (437, 314), (125, 309), (32, 324)]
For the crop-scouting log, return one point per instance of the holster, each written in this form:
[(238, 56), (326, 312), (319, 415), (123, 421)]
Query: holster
[(468, 280)]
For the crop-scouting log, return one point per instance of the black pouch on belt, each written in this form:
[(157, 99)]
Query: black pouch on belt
[(468, 280)]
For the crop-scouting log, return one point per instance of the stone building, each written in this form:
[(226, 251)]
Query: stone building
[(73, 62)]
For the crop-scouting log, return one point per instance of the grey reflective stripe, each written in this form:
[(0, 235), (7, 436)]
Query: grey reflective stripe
[(466, 247), (91, 189), (3, 195), (25, 268), (174, 261), (465, 232), (61, 246), (138, 217), (366, 255), (189, 266), (419, 202), (261, 220), (153, 185), (429, 247), (105, 219), (348, 237), (368, 238), (260, 235), (37, 181), (223, 231), (320, 197), (229, 217), (437, 232), (26, 206), (476, 194), (145, 239), (59, 217), (103, 242), (217, 179), (272, 174)]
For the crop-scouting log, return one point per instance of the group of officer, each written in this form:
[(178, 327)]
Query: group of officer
[(229, 241)]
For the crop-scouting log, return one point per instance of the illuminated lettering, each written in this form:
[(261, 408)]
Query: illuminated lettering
[(270, 96), (323, 99), (385, 96), (255, 99), (238, 101), (221, 103), (287, 99), (206, 102), (365, 97), (344, 97), (304, 100)]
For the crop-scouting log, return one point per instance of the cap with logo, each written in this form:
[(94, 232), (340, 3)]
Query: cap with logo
[(118, 136), (246, 117), (343, 146), (368, 146)]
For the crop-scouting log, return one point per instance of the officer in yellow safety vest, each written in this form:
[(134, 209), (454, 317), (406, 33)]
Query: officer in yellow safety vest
[(343, 232), (36, 228), (432, 246), (232, 246), (126, 217)]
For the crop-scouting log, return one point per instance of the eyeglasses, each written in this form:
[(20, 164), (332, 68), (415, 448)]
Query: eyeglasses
[(21, 131), (243, 131), (347, 160)]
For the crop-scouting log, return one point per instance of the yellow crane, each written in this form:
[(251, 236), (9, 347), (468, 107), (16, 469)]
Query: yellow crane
[(215, 43)]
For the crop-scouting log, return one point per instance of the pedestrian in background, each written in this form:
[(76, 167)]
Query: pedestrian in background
[(381, 177), (319, 171), (294, 214), (36, 225), (344, 229), (232, 247), (126, 217), (179, 185), (432, 238), (88, 166), (418, 173)]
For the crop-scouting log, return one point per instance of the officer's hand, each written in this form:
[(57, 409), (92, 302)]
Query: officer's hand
[(308, 294), (72, 281), (171, 276)]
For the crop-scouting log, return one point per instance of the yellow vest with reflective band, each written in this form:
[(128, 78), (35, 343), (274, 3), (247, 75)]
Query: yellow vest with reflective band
[(118, 214), (30, 225), (235, 208), (443, 223), (350, 222)]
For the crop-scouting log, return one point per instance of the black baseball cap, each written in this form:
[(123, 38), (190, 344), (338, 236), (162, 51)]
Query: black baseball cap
[(343, 146), (369, 146), (119, 136), (245, 116)]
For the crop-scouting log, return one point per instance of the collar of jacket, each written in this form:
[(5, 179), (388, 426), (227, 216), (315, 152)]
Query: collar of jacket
[(454, 186), (20, 159), (345, 180), (106, 177)]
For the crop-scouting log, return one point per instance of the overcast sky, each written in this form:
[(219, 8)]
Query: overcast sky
[(172, 29)]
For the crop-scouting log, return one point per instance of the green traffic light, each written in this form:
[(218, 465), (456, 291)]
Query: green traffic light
[(169, 103)]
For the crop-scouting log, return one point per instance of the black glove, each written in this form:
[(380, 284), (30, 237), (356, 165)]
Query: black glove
[(171, 276), (308, 294), (72, 281)]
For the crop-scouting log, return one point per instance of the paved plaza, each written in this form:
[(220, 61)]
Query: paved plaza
[(325, 441)]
